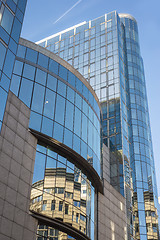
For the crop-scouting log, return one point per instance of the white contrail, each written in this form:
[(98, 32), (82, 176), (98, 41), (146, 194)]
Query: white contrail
[(68, 11)]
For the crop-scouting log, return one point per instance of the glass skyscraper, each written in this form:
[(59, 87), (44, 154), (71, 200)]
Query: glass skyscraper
[(106, 52)]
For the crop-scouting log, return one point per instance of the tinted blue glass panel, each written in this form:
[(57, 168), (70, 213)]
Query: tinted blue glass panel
[(70, 94), (76, 144), (13, 46), (84, 128), (68, 137), (7, 20), (51, 82), (51, 163), (35, 121), (61, 88), (79, 85), (18, 68), (12, 5), (19, 15), (2, 55), (43, 60), (60, 109), (83, 149), (69, 115), (38, 98), (49, 104), (77, 122), (72, 79), (15, 84), (39, 167), (16, 30), (26, 91), (22, 5), (29, 71), (47, 126), (78, 101), (21, 51), (5, 82), (53, 66), (58, 132), (31, 55), (41, 77), (8, 66), (3, 98), (63, 72), (4, 35)]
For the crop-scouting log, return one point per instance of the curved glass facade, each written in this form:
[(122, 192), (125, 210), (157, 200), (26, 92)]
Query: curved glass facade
[(60, 190), (11, 18), (106, 51), (62, 107), (145, 200)]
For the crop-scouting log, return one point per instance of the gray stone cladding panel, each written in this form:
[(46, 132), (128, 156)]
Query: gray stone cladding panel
[(17, 156), (111, 214)]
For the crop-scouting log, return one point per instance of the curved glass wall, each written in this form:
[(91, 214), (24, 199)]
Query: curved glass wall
[(62, 107), (60, 190), (145, 201), (11, 18)]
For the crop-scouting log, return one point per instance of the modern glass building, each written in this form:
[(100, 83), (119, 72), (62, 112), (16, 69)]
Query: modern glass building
[(11, 18), (106, 52)]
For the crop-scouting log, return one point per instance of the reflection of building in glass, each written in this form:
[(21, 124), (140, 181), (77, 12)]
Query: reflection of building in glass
[(51, 154), (64, 193), (106, 52)]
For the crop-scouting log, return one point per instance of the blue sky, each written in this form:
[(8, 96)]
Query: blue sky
[(40, 22)]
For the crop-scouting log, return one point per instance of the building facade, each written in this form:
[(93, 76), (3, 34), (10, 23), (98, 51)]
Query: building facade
[(58, 180), (106, 52)]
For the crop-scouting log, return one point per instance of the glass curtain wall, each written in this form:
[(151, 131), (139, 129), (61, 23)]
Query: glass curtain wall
[(11, 18)]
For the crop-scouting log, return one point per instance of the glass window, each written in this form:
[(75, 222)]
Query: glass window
[(69, 115), (38, 98), (70, 94), (84, 127), (61, 88), (51, 82), (39, 167), (60, 205), (53, 204), (63, 72), (16, 29), (18, 67), (47, 126), (44, 206), (2, 55), (26, 91), (43, 60), (66, 208), (29, 71), (35, 121), (21, 51), (3, 98), (77, 122), (49, 104), (71, 79), (51, 163), (41, 77), (68, 136), (7, 20), (5, 82), (9, 62), (53, 66), (58, 132), (31, 55), (60, 109)]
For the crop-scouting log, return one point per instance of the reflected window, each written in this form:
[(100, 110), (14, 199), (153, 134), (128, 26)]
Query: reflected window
[(7, 20), (66, 208), (44, 206), (60, 206), (53, 204)]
